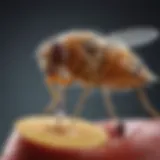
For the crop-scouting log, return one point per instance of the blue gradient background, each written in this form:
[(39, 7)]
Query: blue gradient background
[(25, 23)]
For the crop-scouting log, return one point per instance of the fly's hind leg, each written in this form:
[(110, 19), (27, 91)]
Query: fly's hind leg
[(108, 103), (146, 103)]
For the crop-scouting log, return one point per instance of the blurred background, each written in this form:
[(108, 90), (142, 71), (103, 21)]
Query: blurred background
[(25, 23)]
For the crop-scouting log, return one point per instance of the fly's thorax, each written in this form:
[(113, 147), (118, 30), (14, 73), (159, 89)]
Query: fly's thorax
[(84, 53)]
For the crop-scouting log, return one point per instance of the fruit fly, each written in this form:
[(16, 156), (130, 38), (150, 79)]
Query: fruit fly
[(94, 59)]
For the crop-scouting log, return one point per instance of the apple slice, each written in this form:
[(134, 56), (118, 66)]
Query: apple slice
[(48, 138)]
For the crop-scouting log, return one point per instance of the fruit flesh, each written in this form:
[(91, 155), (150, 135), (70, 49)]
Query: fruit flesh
[(62, 133)]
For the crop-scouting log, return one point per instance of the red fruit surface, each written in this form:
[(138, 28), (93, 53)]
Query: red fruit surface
[(141, 141)]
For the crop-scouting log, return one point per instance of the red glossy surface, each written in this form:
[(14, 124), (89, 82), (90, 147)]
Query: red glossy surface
[(141, 142)]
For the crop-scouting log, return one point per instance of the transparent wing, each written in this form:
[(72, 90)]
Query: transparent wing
[(137, 36)]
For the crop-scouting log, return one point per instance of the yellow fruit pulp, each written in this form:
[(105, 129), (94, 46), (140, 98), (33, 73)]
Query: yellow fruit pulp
[(61, 133)]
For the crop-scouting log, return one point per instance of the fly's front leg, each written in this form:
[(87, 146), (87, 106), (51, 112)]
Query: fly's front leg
[(146, 103), (58, 94)]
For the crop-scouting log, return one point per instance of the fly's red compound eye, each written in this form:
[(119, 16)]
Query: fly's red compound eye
[(58, 53)]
